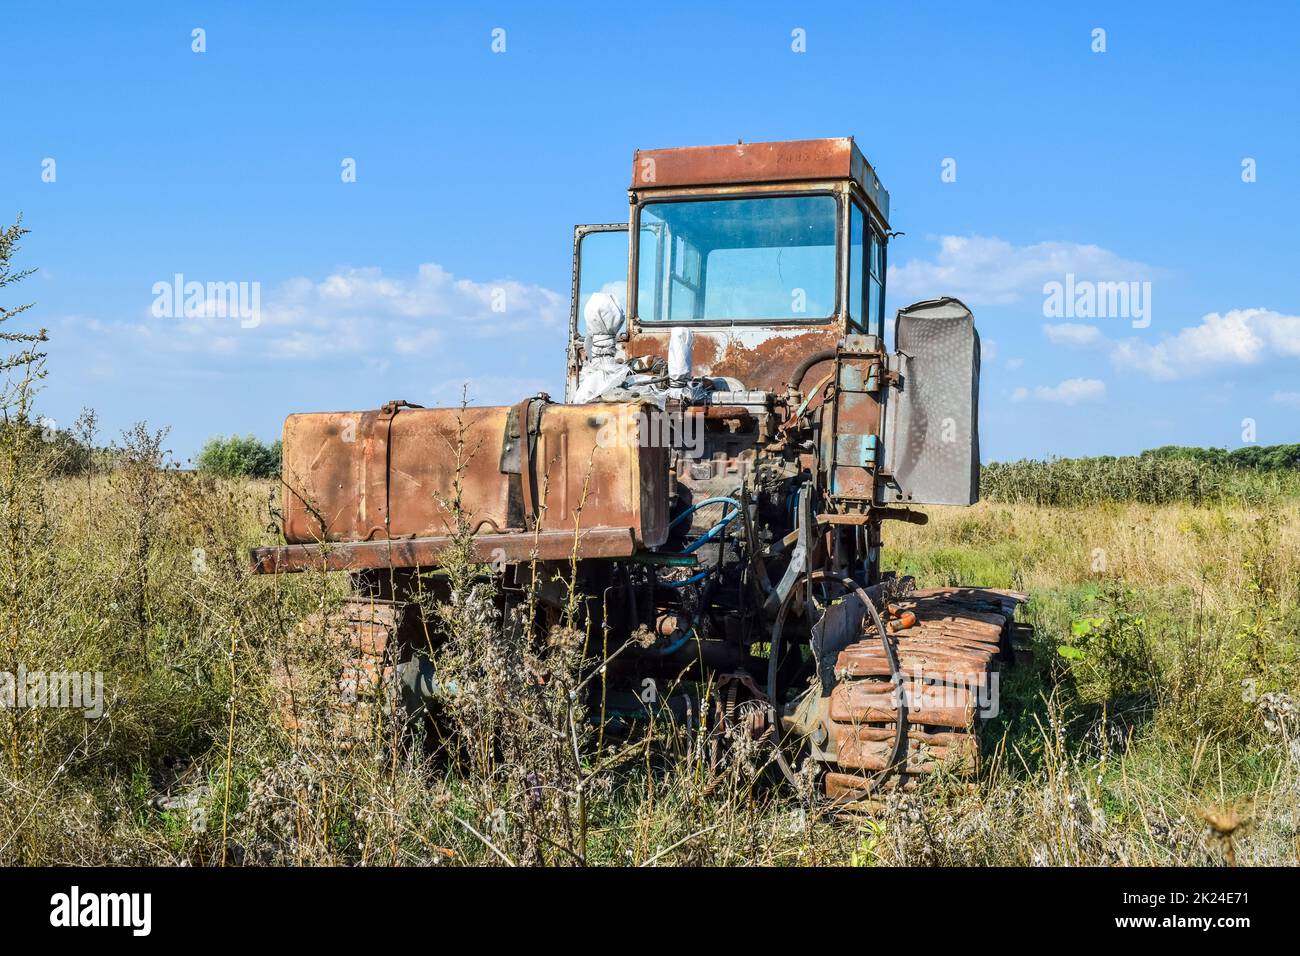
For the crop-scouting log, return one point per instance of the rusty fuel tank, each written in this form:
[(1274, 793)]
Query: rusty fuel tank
[(390, 473)]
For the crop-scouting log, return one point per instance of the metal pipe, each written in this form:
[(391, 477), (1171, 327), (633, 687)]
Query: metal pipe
[(800, 370)]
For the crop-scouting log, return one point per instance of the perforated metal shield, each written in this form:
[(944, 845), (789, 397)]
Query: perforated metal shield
[(931, 425)]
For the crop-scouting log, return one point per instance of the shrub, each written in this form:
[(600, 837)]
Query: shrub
[(236, 457)]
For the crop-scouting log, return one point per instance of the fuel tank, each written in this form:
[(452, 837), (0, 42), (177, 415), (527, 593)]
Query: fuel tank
[(391, 473)]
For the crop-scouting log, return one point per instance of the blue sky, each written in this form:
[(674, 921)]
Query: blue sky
[(472, 167)]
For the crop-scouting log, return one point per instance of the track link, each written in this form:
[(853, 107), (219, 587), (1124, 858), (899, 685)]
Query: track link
[(950, 644), (361, 635)]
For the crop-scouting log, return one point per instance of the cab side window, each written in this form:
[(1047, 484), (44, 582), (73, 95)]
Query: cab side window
[(876, 284), (857, 305), (866, 273), (684, 302)]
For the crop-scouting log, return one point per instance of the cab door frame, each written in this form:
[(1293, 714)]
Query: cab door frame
[(573, 351)]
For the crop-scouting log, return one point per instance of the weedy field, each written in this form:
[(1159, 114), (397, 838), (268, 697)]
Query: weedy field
[(1155, 720)]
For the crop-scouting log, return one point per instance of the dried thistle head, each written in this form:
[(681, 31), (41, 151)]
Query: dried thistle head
[(1224, 821)]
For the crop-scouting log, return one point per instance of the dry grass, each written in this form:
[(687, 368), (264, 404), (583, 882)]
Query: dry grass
[(1180, 747), (1221, 553)]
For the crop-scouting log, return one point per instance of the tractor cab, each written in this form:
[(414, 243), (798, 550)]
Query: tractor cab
[(761, 268), (765, 252)]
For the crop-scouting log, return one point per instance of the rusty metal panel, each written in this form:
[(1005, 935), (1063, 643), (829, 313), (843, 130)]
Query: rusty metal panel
[(852, 443), (511, 548), (761, 358), (743, 163), (367, 476)]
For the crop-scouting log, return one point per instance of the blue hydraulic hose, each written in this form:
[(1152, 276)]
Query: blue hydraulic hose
[(693, 579), (698, 505), (679, 643), (708, 535), (697, 543), (694, 545)]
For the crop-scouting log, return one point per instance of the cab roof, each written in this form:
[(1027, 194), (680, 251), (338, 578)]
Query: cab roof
[(789, 161)]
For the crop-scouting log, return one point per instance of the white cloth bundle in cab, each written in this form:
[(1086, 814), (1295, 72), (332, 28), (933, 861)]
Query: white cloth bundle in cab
[(602, 370)]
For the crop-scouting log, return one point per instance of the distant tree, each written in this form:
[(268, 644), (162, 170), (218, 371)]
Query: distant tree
[(237, 457), (1213, 456), (1266, 457), (1252, 457)]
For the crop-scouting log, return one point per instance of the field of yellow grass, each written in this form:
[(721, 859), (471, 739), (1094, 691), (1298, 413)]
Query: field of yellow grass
[(1154, 721)]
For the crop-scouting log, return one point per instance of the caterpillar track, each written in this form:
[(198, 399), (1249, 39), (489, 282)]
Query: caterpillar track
[(362, 639), (950, 644)]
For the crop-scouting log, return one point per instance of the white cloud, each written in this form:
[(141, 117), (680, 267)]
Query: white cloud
[(1287, 398), (362, 313), (987, 270), (1015, 363), (365, 310), (1240, 337), (1072, 334), (1070, 392), (983, 270)]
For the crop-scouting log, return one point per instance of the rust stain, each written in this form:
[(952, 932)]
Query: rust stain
[(770, 363), (766, 366)]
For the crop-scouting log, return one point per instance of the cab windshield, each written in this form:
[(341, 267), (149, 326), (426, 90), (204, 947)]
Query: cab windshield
[(769, 258)]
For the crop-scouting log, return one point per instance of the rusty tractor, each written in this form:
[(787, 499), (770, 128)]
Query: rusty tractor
[(735, 435)]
